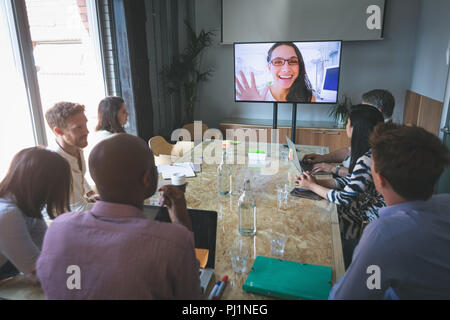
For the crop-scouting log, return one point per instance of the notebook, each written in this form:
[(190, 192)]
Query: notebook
[(186, 168), (288, 279)]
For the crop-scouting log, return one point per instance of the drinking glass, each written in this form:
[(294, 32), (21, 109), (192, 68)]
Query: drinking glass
[(277, 243), (282, 196), (284, 155), (282, 192), (239, 257)]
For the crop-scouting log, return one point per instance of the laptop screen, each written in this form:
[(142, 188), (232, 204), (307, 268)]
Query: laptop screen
[(292, 147), (204, 226)]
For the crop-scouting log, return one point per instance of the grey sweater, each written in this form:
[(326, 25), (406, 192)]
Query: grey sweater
[(20, 237)]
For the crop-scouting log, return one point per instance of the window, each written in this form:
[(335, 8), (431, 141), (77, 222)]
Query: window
[(66, 54), (59, 58), (16, 129)]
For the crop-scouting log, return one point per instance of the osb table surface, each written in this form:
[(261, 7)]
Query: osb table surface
[(311, 227), (21, 287)]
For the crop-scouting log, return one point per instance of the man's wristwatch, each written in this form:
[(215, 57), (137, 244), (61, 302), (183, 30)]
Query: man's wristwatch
[(336, 171)]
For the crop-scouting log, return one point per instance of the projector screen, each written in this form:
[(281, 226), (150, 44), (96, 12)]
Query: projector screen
[(294, 72), (308, 20)]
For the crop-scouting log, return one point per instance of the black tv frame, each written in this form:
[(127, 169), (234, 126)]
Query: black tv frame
[(294, 104), (298, 102)]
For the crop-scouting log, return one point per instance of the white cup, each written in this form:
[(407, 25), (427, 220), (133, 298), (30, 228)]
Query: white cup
[(179, 180)]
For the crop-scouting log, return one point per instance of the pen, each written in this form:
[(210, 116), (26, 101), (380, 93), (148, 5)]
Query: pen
[(213, 291), (221, 288), (177, 165)]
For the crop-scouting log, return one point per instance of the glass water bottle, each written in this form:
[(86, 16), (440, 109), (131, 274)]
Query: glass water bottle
[(224, 176), (247, 211)]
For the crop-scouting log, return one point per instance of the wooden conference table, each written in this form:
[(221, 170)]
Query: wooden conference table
[(312, 227)]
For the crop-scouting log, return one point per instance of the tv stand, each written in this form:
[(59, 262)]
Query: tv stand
[(275, 115), (294, 122), (294, 119)]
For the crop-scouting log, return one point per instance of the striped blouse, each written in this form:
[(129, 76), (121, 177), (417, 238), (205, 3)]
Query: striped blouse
[(356, 197)]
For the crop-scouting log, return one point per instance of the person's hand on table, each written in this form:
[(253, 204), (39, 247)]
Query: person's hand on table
[(247, 92), (305, 181), (323, 167), (312, 158), (173, 198)]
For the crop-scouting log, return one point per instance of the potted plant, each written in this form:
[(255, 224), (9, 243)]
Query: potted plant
[(185, 73), (339, 112)]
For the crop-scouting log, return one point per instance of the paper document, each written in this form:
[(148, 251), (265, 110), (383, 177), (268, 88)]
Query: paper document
[(197, 167), (185, 168)]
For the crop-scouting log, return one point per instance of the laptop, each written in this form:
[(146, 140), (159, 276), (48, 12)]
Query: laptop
[(204, 227), (301, 166)]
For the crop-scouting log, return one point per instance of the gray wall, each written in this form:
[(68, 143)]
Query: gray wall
[(366, 65), (430, 69)]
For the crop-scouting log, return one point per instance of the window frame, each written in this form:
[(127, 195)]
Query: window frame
[(16, 11), (23, 48)]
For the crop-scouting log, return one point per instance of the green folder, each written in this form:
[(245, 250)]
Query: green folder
[(288, 279)]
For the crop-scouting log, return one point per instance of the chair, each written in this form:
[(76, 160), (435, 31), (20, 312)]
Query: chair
[(159, 145), (182, 147), (190, 127), (165, 152)]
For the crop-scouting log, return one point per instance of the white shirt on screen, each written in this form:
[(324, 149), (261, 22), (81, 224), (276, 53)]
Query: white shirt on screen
[(269, 96)]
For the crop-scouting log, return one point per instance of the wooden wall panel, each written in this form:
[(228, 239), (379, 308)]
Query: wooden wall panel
[(430, 113), (422, 111), (412, 102)]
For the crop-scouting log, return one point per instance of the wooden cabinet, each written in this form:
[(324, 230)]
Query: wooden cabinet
[(308, 136), (422, 111), (332, 138), (248, 132)]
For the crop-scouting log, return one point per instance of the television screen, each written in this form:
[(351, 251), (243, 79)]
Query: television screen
[(296, 72)]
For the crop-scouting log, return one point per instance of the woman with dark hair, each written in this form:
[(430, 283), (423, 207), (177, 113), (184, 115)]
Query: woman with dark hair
[(37, 178), (357, 199), (290, 81), (112, 115)]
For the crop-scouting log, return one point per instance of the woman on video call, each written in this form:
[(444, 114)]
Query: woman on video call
[(290, 81)]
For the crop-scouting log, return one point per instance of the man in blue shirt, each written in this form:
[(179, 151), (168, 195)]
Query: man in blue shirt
[(405, 253)]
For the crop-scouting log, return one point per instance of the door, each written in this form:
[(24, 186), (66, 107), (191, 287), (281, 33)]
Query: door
[(444, 133)]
